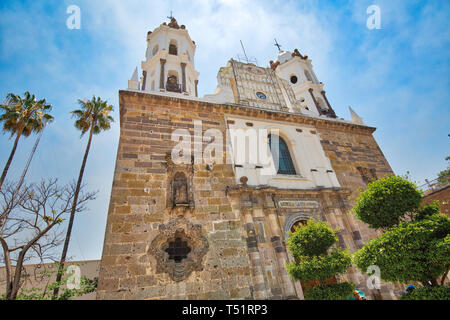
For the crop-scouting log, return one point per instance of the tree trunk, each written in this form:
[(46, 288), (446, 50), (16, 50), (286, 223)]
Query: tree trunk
[(25, 170), (14, 283), (72, 214), (17, 275), (8, 268), (11, 156)]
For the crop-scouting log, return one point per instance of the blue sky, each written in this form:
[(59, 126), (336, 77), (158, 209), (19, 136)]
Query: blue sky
[(396, 78)]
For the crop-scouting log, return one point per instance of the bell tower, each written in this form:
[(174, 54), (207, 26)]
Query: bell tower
[(298, 71), (169, 62)]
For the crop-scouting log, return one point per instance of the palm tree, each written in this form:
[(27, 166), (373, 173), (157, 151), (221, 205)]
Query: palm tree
[(21, 117), (93, 117)]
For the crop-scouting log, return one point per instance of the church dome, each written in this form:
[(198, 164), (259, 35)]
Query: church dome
[(284, 56)]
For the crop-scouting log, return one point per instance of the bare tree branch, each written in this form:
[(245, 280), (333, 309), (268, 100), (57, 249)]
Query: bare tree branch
[(30, 218)]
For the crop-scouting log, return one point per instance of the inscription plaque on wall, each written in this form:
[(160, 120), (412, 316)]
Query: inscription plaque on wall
[(298, 204)]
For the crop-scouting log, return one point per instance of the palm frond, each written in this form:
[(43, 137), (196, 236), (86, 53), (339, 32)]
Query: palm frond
[(24, 115), (93, 113)]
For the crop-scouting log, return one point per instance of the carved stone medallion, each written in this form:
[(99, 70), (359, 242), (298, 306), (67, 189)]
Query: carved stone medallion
[(179, 248)]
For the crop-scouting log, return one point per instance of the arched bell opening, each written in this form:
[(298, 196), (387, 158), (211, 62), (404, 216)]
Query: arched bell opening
[(172, 82)]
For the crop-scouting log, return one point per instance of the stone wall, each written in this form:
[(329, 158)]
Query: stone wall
[(235, 234), (357, 159), (353, 155), (268, 215), (138, 210)]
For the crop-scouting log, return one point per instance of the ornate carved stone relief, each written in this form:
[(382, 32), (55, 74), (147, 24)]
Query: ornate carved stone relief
[(296, 53), (179, 248)]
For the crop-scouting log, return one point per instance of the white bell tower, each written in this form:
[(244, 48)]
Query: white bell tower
[(309, 92), (169, 64)]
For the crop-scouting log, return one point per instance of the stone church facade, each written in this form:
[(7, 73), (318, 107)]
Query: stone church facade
[(212, 229)]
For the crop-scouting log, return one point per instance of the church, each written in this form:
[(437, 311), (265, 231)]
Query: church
[(207, 189)]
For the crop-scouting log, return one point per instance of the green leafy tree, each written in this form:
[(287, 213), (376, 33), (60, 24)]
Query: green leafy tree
[(317, 259), (387, 201), (337, 291), (415, 245), (21, 117), (444, 175), (428, 293), (93, 117), (411, 251)]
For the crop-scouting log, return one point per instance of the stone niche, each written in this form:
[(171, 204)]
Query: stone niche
[(179, 248), (180, 194)]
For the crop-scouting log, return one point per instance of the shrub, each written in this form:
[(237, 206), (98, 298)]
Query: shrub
[(386, 201), (314, 239), (321, 267), (428, 293), (310, 245), (410, 251), (336, 291)]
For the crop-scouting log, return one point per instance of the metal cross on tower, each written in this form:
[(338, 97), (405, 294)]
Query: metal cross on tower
[(277, 45), (171, 16)]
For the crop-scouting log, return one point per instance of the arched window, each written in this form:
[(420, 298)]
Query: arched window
[(321, 103), (282, 158), (155, 49), (173, 49), (172, 82), (308, 76)]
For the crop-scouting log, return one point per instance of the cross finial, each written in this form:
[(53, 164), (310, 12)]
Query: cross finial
[(277, 45), (171, 16)]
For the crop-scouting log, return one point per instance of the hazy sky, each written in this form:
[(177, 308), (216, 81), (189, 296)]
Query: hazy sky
[(396, 78)]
